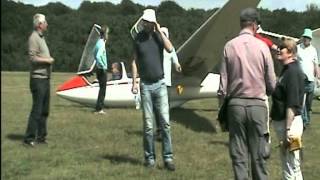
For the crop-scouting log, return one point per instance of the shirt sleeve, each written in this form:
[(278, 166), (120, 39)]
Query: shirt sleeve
[(223, 76), (174, 57), (33, 49), (270, 76)]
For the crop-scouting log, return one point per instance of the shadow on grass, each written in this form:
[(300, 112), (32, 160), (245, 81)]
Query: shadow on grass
[(313, 112), (200, 109), (15, 137), (217, 142), (73, 105), (191, 120), (116, 159), (135, 132), (87, 107)]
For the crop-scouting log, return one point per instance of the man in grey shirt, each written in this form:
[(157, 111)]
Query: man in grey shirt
[(247, 75), (40, 73)]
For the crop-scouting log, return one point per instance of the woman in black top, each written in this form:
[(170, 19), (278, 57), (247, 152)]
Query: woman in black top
[(287, 102)]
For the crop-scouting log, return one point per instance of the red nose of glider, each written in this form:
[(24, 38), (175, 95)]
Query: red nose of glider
[(74, 82)]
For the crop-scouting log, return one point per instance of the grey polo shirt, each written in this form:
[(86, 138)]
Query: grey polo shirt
[(37, 46)]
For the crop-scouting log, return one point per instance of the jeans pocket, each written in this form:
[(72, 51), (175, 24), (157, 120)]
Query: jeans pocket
[(265, 146)]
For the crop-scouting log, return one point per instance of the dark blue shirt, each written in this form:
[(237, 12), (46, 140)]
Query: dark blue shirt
[(289, 92), (149, 51)]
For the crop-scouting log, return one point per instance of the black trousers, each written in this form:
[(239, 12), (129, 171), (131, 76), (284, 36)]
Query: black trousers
[(37, 124), (102, 78)]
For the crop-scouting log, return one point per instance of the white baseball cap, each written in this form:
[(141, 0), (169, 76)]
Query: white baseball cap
[(149, 15)]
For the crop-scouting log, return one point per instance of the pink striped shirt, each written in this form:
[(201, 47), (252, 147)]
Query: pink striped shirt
[(247, 69)]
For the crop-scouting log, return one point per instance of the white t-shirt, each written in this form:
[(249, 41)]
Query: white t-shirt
[(307, 57), (168, 60)]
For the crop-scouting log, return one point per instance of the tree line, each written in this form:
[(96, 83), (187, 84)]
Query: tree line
[(68, 28)]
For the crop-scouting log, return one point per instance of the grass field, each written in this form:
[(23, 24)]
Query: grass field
[(86, 146)]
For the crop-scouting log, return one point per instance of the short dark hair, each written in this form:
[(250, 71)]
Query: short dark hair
[(104, 30), (250, 15)]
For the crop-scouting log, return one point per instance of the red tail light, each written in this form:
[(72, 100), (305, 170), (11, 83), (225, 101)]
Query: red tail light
[(74, 82)]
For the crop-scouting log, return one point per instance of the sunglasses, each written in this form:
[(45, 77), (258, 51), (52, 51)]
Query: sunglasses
[(280, 48)]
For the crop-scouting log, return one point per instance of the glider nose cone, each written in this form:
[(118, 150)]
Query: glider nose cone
[(74, 82)]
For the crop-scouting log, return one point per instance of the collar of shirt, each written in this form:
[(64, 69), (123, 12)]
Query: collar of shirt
[(245, 31), (40, 34), (304, 47)]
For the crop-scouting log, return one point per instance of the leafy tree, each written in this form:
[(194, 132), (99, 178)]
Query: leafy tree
[(68, 29)]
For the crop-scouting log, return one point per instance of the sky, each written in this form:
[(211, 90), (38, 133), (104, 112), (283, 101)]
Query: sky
[(297, 5)]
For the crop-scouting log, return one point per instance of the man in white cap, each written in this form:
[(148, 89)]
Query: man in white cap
[(148, 62), (41, 65), (308, 59), (168, 60)]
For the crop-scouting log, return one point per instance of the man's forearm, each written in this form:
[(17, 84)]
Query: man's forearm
[(134, 72), (316, 70), (167, 44), (39, 59), (289, 117)]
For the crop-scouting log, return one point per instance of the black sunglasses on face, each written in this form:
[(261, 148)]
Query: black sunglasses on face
[(282, 47)]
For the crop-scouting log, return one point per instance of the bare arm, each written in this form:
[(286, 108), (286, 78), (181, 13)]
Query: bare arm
[(289, 120), (222, 91), (289, 117), (134, 74), (167, 44), (39, 59), (134, 69), (316, 70)]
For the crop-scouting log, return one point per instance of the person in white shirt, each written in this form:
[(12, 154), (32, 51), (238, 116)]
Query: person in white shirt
[(168, 60), (308, 60)]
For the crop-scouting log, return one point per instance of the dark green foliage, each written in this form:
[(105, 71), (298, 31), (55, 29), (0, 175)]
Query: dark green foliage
[(69, 29)]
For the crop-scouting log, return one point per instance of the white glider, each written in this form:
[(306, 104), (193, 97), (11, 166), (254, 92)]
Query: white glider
[(198, 56)]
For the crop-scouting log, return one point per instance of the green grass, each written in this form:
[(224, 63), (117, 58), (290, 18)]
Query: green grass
[(87, 146)]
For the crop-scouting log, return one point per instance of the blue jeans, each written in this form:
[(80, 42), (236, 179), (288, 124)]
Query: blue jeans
[(308, 89), (155, 95)]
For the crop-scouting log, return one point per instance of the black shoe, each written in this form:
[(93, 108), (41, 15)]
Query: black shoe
[(169, 166), (29, 143)]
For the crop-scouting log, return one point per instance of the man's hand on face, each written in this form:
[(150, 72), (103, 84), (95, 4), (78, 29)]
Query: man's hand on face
[(157, 27)]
